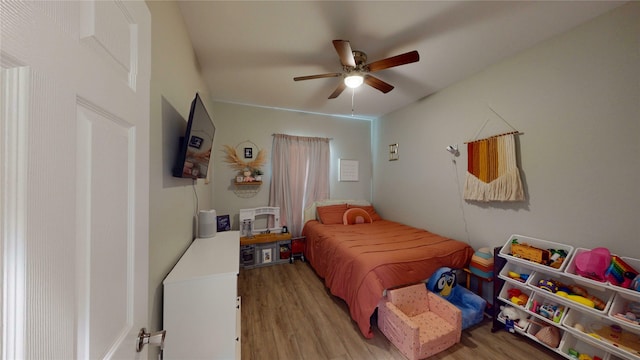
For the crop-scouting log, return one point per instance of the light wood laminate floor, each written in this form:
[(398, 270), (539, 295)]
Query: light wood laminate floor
[(287, 313)]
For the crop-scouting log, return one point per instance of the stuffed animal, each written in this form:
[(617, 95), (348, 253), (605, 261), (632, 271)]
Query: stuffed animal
[(511, 313)]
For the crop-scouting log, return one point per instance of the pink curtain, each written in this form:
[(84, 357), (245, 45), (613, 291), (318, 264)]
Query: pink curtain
[(300, 176)]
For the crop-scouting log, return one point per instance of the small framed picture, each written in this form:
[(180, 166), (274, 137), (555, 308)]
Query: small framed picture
[(348, 170), (248, 153), (267, 255), (223, 223)]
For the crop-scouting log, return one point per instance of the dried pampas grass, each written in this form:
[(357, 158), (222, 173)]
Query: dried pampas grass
[(232, 158)]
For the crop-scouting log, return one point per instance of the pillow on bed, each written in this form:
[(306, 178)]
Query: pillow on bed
[(331, 214), (311, 212), (356, 216), (369, 209)]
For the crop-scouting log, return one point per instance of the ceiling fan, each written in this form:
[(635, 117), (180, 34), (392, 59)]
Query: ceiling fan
[(355, 69)]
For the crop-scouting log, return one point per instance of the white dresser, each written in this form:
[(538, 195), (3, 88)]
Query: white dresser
[(201, 304)]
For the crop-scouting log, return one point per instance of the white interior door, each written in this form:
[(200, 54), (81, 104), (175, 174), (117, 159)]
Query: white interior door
[(75, 149)]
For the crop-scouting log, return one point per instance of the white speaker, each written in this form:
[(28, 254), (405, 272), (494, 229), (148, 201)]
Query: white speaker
[(207, 224)]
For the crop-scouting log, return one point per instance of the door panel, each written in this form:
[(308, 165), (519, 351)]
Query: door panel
[(103, 181), (75, 174), (107, 28)]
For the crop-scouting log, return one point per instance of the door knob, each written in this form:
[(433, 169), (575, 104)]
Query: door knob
[(156, 339)]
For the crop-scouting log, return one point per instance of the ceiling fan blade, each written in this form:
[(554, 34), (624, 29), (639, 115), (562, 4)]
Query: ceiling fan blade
[(377, 83), (344, 51), (320, 76), (406, 58), (338, 90)]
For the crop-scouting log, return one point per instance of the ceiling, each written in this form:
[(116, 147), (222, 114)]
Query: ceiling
[(250, 51)]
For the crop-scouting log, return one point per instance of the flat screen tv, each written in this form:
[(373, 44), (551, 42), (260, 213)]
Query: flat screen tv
[(194, 150)]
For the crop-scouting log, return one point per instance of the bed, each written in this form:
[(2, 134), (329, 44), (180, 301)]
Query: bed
[(359, 261)]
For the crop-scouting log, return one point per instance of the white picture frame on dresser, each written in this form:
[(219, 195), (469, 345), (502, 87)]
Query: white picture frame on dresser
[(201, 305)]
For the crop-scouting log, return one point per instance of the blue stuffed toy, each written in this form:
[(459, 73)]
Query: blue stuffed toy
[(443, 282)]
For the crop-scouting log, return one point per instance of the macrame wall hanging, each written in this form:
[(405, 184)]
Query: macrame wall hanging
[(492, 169)]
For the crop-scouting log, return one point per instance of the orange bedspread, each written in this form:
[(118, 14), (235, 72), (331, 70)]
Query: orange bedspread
[(358, 262)]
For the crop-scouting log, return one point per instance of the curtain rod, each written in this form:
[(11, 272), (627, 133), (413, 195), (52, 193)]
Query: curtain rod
[(310, 137)]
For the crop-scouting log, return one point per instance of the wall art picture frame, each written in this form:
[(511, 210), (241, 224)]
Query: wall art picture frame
[(348, 170), (248, 153), (224, 223)]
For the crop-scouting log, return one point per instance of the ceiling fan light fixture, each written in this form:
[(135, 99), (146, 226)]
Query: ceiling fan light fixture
[(353, 80), (355, 69)]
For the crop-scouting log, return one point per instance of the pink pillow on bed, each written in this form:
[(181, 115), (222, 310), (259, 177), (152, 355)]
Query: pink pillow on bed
[(369, 209), (331, 214), (356, 216)]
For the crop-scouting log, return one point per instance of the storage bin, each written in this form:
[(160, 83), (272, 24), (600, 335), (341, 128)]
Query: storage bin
[(504, 294), (570, 271), (605, 296), (284, 250), (546, 308), (515, 268), (574, 317), (506, 252), (613, 357), (619, 308), (590, 324), (533, 330), (635, 264), (571, 343), (502, 319)]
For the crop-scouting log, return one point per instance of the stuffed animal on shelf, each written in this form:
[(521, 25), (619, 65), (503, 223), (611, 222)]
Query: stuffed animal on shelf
[(520, 317)]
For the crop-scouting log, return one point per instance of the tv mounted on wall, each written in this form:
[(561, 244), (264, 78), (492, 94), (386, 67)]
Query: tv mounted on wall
[(194, 150)]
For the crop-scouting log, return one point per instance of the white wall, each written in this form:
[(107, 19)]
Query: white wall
[(237, 123), (175, 78), (576, 98)]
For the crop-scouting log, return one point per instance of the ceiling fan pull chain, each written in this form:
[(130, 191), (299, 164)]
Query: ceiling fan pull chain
[(353, 95)]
